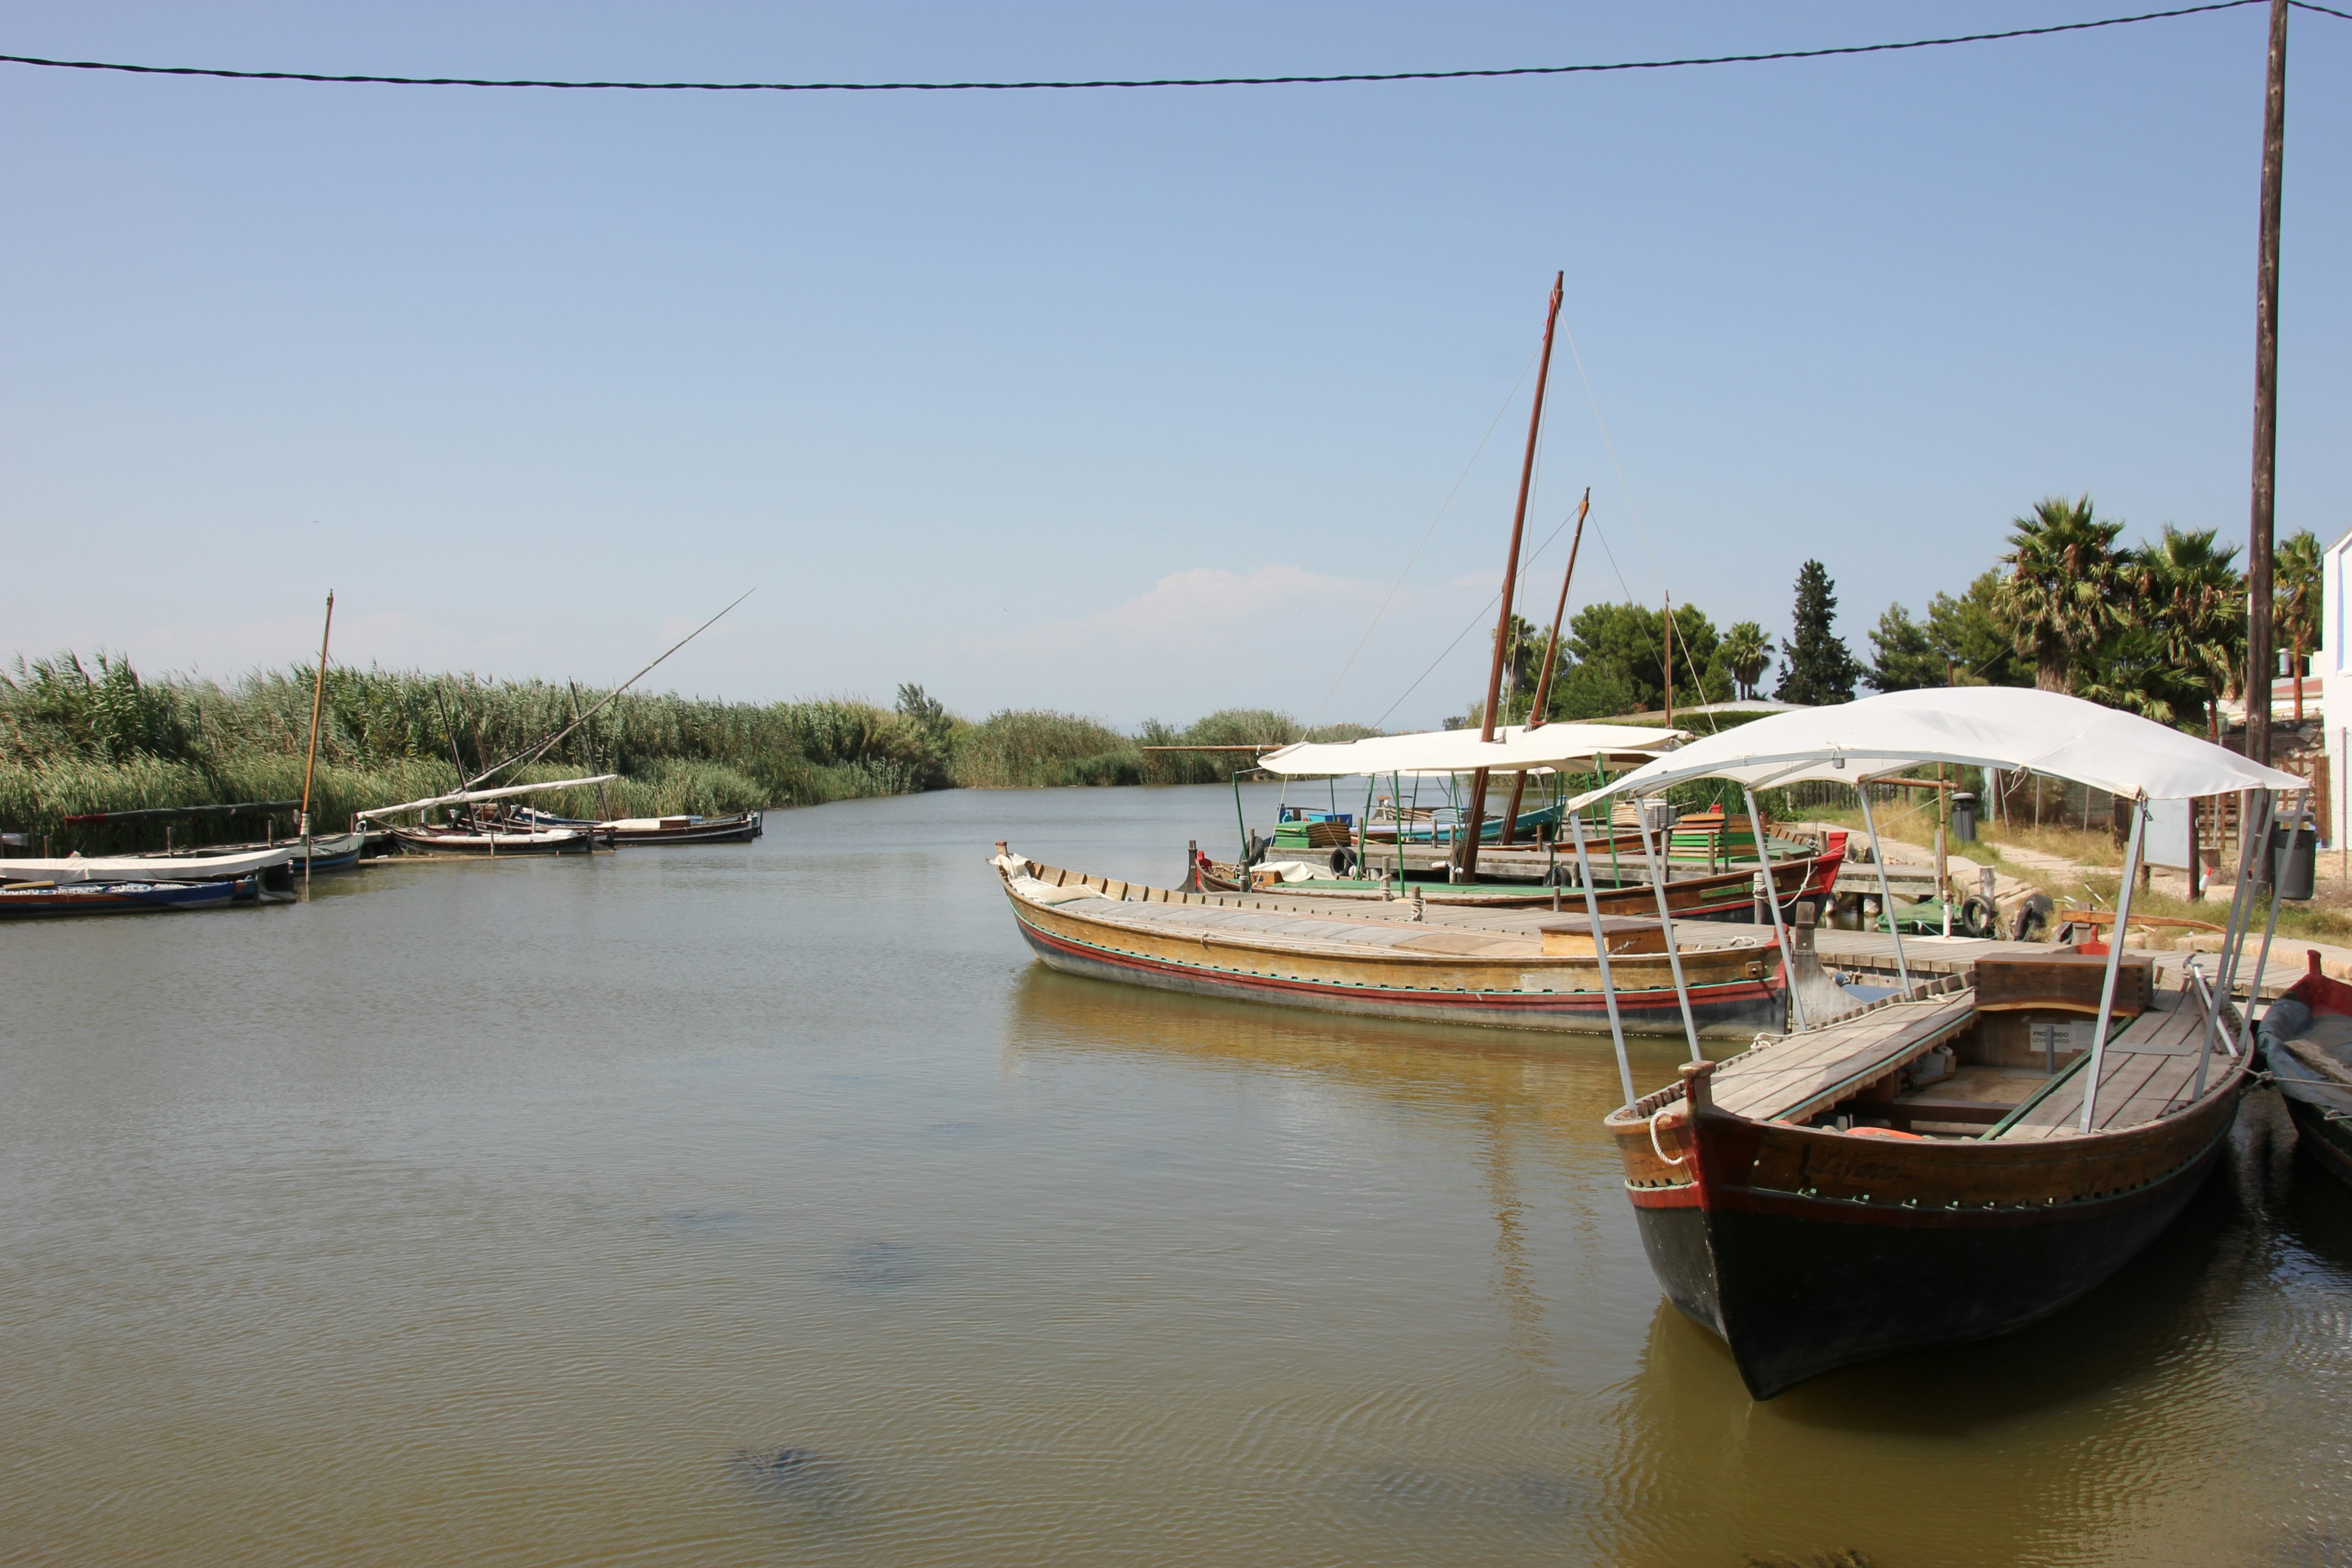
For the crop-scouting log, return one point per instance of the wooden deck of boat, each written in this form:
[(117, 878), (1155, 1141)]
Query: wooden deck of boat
[(2146, 1069), (1791, 1079), (1310, 930)]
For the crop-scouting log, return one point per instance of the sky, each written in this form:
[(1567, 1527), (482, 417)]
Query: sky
[(1134, 403)]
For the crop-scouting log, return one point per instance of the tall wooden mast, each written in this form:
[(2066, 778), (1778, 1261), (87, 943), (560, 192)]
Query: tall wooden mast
[(1475, 821), (1542, 697), (310, 761)]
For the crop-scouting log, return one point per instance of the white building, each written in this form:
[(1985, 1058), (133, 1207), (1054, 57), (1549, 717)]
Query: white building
[(2333, 669)]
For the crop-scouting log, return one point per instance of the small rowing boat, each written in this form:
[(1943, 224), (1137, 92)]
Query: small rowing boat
[(227, 866), (740, 829), (47, 900), (2306, 1039), (465, 839), (1386, 964), (472, 833)]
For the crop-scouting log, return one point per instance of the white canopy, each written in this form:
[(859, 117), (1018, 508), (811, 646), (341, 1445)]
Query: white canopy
[(1974, 726), (1514, 748), (467, 794)]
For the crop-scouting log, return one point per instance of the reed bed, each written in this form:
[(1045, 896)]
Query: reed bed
[(79, 737)]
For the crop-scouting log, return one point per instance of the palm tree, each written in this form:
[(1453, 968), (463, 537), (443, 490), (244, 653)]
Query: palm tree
[(1746, 651), (2186, 589), (2063, 589), (2294, 601)]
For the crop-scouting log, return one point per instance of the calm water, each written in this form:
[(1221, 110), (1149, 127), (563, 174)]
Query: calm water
[(770, 1206)]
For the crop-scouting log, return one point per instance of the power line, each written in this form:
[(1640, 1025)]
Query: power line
[(1143, 83)]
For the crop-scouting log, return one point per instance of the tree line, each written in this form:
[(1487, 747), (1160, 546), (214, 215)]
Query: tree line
[(2157, 628)]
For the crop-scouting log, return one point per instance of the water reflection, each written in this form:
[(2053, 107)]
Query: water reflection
[(770, 1205)]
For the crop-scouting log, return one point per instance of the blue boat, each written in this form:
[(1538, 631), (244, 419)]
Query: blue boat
[(42, 900)]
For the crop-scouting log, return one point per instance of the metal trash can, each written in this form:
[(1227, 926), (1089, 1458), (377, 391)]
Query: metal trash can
[(1964, 817), (2294, 858)]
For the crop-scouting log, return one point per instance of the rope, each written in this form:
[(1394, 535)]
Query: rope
[(1480, 74), (1669, 1159)]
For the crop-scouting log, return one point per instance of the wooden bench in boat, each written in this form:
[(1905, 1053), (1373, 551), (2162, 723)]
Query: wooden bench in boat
[(1801, 1074), (2147, 1069), (2150, 1067)]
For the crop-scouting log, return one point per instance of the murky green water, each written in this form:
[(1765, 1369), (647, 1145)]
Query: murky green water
[(770, 1206)]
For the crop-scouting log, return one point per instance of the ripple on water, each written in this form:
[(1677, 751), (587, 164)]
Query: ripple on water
[(1423, 1487), (688, 1222), (879, 1266), (2309, 1551), (814, 1485)]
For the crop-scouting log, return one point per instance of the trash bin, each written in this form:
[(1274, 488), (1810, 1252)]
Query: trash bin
[(1964, 817), (2294, 858)]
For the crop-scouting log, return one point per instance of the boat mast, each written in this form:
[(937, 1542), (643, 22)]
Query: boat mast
[(1551, 654), (310, 763), (588, 747), (1467, 857)]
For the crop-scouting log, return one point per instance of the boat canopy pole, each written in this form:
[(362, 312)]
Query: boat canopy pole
[(2225, 960), (1666, 919), (1885, 895), (1242, 822), (2115, 966), (2242, 903), (1772, 898), (1601, 952), (2211, 1031), (2270, 928)]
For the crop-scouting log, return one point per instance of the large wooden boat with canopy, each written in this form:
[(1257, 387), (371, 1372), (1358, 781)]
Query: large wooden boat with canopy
[(1971, 1153)]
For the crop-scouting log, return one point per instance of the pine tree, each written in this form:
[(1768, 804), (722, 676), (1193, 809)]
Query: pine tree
[(1817, 667)]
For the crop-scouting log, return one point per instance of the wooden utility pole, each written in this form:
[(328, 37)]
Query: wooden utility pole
[(1542, 697), (2260, 659), (1475, 823)]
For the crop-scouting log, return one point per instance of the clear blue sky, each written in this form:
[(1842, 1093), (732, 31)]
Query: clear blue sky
[(1135, 404)]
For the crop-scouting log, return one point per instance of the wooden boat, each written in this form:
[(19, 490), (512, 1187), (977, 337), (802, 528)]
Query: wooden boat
[(1911, 1175), (477, 833), (740, 829), (1386, 966), (328, 852), (49, 901), (495, 842), (2306, 1044), (1726, 895), (231, 866), (1975, 1153)]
